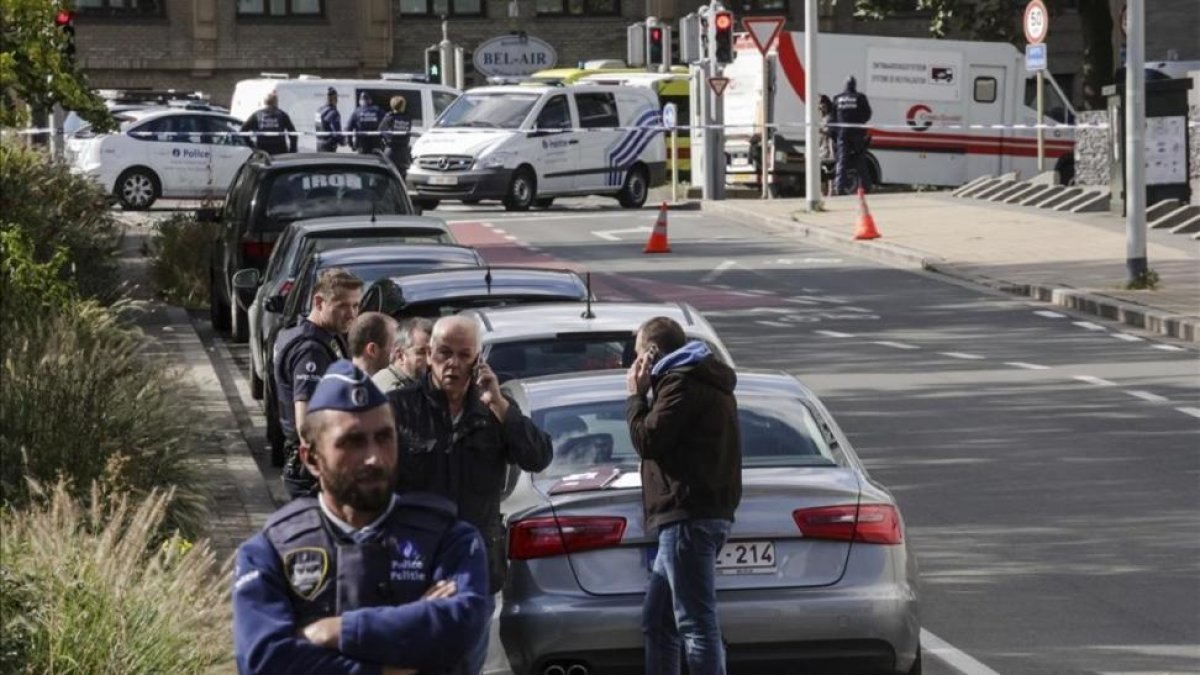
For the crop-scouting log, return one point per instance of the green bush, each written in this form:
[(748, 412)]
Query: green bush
[(96, 590), (57, 209), (181, 248)]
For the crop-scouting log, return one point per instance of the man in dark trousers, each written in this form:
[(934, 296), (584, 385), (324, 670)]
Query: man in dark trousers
[(851, 107), (458, 437), (357, 579), (272, 129), (691, 485), (329, 123), (396, 128), (364, 126), (302, 353)]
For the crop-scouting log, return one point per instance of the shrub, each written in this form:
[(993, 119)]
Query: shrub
[(92, 590), (57, 209), (181, 248)]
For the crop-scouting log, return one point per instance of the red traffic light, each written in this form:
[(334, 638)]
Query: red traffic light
[(723, 21), (655, 34), (63, 17)]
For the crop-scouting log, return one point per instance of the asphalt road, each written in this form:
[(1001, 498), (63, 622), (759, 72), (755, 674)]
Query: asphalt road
[(1047, 464)]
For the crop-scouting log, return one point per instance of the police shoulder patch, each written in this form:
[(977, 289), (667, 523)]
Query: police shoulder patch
[(306, 569)]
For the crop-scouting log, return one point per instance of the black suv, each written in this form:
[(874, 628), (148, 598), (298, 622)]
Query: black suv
[(269, 192)]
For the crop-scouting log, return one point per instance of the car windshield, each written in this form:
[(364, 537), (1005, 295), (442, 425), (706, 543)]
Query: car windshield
[(310, 244), (333, 191), (775, 431), (499, 110), (520, 359)]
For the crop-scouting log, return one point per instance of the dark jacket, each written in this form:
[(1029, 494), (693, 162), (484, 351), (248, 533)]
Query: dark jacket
[(465, 462), (688, 439), (278, 134), (851, 107)]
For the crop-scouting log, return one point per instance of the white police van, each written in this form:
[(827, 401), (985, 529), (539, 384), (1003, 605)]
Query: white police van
[(527, 144), (302, 97)]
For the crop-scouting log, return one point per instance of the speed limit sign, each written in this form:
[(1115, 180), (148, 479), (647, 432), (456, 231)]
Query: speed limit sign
[(1037, 22)]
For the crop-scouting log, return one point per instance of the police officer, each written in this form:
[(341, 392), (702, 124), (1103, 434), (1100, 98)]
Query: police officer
[(357, 579), (302, 353), (396, 128), (364, 122), (851, 108), (329, 123), (275, 132)]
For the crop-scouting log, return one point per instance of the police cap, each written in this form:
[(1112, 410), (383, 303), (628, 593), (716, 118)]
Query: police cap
[(344, 387)]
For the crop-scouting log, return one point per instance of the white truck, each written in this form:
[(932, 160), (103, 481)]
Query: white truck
[(944, 111)]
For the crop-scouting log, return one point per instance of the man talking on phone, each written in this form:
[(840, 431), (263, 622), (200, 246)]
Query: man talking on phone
[(688, 440), (458, 434)]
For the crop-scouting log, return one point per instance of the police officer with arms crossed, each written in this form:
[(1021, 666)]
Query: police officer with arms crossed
[(273, 129), (458, 435), (851, 107), (329, 123), (364, 123), (396, 128), (357, 579), (302, 353)]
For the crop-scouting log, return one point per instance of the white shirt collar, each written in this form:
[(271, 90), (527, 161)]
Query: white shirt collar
[(347, 528)]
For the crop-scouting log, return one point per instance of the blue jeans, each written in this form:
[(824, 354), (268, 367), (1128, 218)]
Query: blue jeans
[(477, 654), (680, 608)]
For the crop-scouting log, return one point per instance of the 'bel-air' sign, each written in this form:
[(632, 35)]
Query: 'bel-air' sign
[(514, 56)]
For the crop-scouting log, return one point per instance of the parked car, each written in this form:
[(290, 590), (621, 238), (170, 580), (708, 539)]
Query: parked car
[(536, 340), (268, 193), (299, 240), (368, 264), (816, 576), (156, 153), (446, 292)]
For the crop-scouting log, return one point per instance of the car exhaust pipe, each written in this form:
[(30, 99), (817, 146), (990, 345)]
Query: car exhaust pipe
[(554, 669), (577, 669)]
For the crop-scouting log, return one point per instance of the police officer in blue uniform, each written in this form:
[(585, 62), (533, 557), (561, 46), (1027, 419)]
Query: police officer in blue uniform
[(272, 129), (357, 579), (851, 107), (302, 353), (396, 128), (329, 123), (364, 122)]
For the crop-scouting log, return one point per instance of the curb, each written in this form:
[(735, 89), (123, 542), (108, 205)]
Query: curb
[(1139, 316)]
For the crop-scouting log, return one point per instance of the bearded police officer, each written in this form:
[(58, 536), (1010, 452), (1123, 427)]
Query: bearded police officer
[(272, 129), (302, 353), (396, 128), (329, 123), (364, 123), (851, 108), (357, 579)]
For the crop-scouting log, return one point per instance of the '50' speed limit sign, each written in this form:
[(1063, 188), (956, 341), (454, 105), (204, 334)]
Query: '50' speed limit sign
[(1037, 22)]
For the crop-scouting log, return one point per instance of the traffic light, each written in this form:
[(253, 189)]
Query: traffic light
[(723, 36), (433, 64), (64, 20), (654, 51)]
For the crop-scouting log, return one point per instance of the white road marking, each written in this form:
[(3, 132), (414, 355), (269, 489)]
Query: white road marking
[(1127, 337), (952, 656), (894, 345), (962, 355), (774, 324), (717, 271), (498, 230), (1050, 315), (611, 235), (1168, 348), (1089, 325), (1194, 412), (1147, 396), (747, 312), (755, 291), (833, 334), (530, 218), (533, 249), (1098, 381), (1026, 366), (509, 237), (801, 301)]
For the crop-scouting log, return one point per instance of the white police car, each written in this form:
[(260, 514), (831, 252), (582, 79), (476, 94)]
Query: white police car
[(178, 154)]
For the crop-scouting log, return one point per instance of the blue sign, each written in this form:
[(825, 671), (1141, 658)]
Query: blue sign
[(1035, 57)]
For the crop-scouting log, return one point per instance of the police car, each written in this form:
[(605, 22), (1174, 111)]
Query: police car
[(177, 154)]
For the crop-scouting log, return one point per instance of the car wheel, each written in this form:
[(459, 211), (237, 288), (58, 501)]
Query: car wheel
[(256, 383), (633, 193), (218, 312), (239, 324), (543, 202), (522, 191), (426, 204), (138, 189)]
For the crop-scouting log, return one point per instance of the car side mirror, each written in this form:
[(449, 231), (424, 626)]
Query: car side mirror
[(208, 215), (274, 304)]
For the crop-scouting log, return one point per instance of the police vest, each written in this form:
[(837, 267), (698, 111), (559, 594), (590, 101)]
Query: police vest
[(329, 573), (269, 120), (368, 118), (288, 340)]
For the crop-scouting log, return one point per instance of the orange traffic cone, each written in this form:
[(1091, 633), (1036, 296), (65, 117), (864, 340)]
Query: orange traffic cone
[(866, 224), (658, 237)]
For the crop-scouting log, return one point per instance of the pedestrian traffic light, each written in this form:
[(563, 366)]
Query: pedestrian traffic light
[(723, 36), (654, 51), (433, 64), (64, 20)]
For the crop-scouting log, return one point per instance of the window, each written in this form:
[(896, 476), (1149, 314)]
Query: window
[(985, 90), (761, 6), (321, 192), (556, 114), (578, 7), (174, 129), (597, 111), (496, 111), (436, 8), (280, 8), (122, 8), (222, 131), (441, 101)]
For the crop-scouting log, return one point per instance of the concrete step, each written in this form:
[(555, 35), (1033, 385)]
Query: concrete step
[(997, 188), (974, 191), (1030, 192), (1045, 178), (1062, 197), (1160, 209), (1189, 226), (958, 192), (1040, 198), (1008, 192), (1173, 218), (1095, 201)]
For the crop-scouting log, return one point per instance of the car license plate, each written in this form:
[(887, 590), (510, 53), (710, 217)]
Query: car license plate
[(443, 180), (736, 557)]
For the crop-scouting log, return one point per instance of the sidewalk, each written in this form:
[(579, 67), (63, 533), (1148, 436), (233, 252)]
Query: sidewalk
[(1072, 260)]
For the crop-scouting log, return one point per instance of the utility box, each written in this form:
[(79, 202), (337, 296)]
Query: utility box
[(1166, 138)]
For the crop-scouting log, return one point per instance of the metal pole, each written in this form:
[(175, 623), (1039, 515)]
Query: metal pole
[(1041, 115), (812, 141), (766, 97), (674, 164), (718, 134), (702, 133), (1135, 147)]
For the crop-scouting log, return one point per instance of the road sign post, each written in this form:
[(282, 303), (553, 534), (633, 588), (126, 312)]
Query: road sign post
[(812, 139), (1036, 22), (1135, 145), (764, 30), (670, 115)]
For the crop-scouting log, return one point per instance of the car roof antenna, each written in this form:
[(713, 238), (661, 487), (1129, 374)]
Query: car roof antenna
[(587, 312), (487, 279)]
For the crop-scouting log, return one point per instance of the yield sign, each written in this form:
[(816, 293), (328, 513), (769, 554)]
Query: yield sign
[(718, 84), (763, 30)]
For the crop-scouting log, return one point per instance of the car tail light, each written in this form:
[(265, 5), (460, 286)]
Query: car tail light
[(867, 523), (545, 537), (256, 249)]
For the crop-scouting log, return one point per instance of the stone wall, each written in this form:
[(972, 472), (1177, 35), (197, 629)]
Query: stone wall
[(1092, 154)]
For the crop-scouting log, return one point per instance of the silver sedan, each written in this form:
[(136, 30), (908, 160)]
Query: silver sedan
[(816, 576)]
